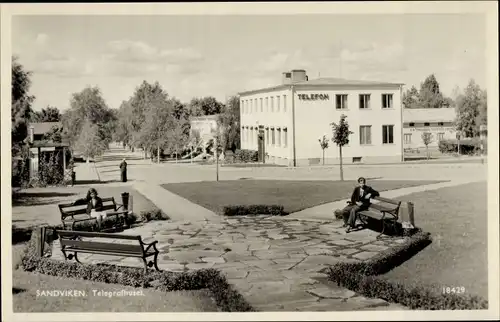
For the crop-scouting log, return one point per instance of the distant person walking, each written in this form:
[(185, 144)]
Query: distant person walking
[(123, 170)]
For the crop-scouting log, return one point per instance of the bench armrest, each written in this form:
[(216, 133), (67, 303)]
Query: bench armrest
[(153, 244)]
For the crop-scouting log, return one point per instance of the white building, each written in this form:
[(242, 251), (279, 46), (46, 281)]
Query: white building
[(284, 122), (438, 121), (206, 126)]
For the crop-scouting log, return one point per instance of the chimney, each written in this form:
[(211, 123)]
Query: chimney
[(294, 76)]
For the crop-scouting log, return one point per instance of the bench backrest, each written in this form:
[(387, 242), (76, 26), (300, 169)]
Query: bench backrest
[(70, 210), (386, 204), (67, 238)]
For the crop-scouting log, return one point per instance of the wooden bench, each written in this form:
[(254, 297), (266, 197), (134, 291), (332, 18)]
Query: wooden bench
[(72, 241), (384, 210), (71, 214)]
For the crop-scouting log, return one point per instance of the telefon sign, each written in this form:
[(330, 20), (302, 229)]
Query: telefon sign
[(313, 97)]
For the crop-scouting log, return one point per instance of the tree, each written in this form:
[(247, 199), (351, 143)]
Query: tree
[(177, 136), (21, 105), (123, 128), (229, 124), (323, 143), (205, 106), (427, 139), (468, 109), (88, 106), (48, 114), (158, 122), (145, 96), (430, 96), (410, 98), (340, 137), (482, 118), (89, 142)]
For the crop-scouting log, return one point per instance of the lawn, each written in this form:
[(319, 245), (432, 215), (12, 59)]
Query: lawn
[(33, 207), (457, 219), (293, 195), (26, 287)]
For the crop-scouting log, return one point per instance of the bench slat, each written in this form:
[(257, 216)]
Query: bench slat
[(69, 249), (70, 233), (383, 207), (103, 247), (371, 214), (387, 200)]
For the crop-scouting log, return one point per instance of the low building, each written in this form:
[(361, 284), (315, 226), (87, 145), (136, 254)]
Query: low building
[(206, 127), (437, 121), (42, 149), (283, 122)]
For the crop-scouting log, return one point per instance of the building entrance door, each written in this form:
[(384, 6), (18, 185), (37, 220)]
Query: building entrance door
[(260, 146)]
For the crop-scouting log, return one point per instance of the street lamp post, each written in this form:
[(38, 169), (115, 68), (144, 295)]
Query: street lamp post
[(216, 159)]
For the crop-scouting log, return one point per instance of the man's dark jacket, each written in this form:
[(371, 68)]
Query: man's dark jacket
[(366, 190)]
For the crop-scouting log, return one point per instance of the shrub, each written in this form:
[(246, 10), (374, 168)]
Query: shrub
[(246, 156), (467, 146), (155, 214), (242, 210), (227, 299), (363, 278)]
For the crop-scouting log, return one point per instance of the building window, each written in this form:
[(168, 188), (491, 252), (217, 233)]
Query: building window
[(407, 138), (284, 103), (365, 134), (267, 104), (387, 101), (272, 104), (426, 124), (261, 106), (267, 136), (279, 137), (285, 138), (277, 103), (412, 124), (273, 138), (440, 123), (440, 136), (387, 134), (364, 101), (341, 102)]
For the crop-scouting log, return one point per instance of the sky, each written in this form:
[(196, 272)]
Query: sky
[(195, 56)]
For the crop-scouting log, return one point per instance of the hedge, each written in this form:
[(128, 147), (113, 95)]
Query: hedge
[(362, 278), (226, 297), (243, 210), (467, 146), (246, 156)]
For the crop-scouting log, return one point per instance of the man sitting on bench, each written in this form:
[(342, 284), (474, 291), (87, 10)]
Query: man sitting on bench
[(360, 200)]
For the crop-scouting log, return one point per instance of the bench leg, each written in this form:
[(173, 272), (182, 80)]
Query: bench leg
[(155, 261), (145, 264), (383, 226), (64, 253), (76, 258)]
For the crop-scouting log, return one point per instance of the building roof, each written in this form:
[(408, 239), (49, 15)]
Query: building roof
[(324, 81), (428, 115), (204, 117), (43, 127)]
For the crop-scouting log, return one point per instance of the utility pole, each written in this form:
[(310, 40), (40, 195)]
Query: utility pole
[(216, 159)]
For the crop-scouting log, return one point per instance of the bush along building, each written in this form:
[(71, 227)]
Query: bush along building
[(283, 122)]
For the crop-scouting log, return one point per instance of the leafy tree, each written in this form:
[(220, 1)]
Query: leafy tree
[(177, 137), (89, 142), (158, 121), (88, 106), (145, 96), (340, 137), (229, 125), (430, 96), (427, 139), (54, 135), (21, 105), (482, 118), (205, 106), (323, 143), (123, 129), (49, 114), (411, 98), (468, 109)]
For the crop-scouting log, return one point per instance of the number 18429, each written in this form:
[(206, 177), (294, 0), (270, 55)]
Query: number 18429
[(453, 290)]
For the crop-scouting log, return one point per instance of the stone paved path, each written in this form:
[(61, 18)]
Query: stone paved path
[(275, 263)]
